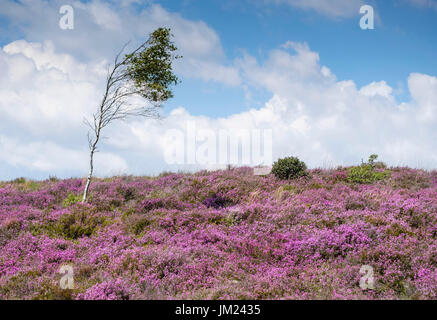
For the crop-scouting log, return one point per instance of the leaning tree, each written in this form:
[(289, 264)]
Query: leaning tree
[(144, 73)]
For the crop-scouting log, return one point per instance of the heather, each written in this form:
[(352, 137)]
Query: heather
[(222, 235)]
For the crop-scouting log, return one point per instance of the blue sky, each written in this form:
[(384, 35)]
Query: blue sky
[(403, 41), (332, 92)]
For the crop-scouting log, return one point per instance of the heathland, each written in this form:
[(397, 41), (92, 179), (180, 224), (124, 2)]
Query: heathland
[(222, 235)]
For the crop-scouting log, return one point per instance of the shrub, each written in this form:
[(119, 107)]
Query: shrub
[(53, 178), (72, 226), (70, 200), (377, 164), (372, 159), (19, 180), (366, 173), (289, 168)]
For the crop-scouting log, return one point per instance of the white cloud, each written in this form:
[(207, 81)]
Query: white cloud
[(377, 88), (46, 89), (322, 120), (343, 123), (102, 28), (104, 16), (51, 158), (423, 90), (312, 114)]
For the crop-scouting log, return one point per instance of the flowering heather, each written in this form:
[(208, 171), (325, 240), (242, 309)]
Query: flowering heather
[(221, 235)]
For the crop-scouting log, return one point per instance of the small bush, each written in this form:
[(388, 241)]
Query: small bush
[(366, 173), (53, 178), (70, 200), (19, 180), (72, 226), (289, 168), (376, 164), (77, 225)]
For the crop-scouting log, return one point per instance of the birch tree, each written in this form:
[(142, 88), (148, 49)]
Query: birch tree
[(136, 86)]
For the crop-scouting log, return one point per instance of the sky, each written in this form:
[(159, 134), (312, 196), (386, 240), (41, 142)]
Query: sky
[(303, 74)]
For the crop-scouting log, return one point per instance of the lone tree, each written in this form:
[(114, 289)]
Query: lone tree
[(146, 73)]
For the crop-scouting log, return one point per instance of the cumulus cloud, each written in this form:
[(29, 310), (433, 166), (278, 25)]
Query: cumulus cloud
[(46, 90), (95, 22), (53, 158), (44, 96), (342, 122), (323, 120), (43, 91)]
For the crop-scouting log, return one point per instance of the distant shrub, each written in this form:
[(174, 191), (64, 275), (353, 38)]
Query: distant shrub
[(289, 168), (376, 164), (165, 174), (53, 178), (19, 180), (366, 173), (372, 159)]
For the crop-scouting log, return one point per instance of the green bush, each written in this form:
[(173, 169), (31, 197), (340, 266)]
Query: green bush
[(366, 173), (289, 168), (77, 225), (70, 200), (71, 226), (19, 180)]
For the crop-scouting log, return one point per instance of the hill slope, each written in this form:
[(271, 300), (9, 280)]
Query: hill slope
[(221, 235)]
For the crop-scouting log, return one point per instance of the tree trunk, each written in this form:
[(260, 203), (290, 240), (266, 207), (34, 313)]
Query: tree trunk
[(90, 175)]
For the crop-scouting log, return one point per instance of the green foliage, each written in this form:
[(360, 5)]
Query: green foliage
[(71, 199), (375, 164), (19, 180), (77, 225), (151, 68), (289, 168), (53, 178), (72, 226), (366, 173), (289, 187), (372, 159), (139, 226)]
